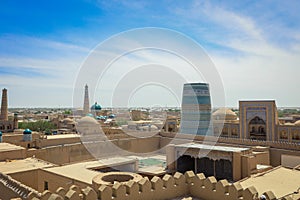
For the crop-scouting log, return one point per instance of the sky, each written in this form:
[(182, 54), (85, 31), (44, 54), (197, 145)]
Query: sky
[(254, 45)]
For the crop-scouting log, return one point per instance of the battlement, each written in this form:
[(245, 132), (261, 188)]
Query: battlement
[(168, 187)]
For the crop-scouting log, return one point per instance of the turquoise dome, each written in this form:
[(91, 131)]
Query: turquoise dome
[(0, 133), (27, 131), (101, 117), (112, 116), (96, 107), (90, 115)]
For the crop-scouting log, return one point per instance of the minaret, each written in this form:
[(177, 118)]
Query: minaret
[(16, 126), (4, 114), (86, 104)]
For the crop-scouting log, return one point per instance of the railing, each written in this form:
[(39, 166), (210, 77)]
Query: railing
[(232, 140)]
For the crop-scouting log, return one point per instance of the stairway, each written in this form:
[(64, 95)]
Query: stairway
[(15, 186)]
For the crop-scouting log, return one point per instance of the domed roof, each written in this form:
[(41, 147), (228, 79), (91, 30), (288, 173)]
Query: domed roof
[(87, 120), (224, 114), (96, 107), (111, 116), (90, 115), (0, 133), (297, 123), (101, 117), (289, 123), (67, 119), (27, 131)]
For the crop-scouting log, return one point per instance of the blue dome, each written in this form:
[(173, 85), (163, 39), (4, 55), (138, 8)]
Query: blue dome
[(96, 107), (101, 117), (27, 131), (90, 115), (111, 116)]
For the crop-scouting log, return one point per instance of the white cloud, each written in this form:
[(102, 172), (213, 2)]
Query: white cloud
[(251, 63), (253, 66)]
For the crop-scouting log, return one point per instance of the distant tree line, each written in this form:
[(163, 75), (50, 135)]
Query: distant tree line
[(37, 126), (286, 112)]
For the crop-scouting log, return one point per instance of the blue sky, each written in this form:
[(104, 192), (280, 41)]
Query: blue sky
[(255, 45)]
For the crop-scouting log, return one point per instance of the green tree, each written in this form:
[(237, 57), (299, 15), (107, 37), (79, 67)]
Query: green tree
[(67, 112), (37, 126)]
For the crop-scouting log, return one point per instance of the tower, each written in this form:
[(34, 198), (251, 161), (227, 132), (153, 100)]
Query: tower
[(196, 109), (27, 135), (16, 121), (86, 104), (4, 114)]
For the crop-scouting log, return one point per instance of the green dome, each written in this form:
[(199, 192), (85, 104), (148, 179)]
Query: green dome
[(96, 107), (27, 131)]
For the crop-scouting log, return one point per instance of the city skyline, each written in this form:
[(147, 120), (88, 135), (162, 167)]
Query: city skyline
[(43, 46)]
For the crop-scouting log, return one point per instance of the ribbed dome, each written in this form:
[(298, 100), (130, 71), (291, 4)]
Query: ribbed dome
[(224, 114), (87, 120), (27, 131), (96, 107)]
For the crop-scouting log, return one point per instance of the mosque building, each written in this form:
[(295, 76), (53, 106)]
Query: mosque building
[(256, 120), (256, 157)]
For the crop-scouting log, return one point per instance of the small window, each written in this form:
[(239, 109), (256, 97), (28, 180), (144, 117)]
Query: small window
[(45, 185)]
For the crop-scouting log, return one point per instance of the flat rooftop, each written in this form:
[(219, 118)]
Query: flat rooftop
[(281, 181), (152, 165), (9, 147), (212, 147), (83, 171), (62, 136), (14, 166)]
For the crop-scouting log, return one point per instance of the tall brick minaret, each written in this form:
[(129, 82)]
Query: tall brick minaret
[(86, 104), (4, 112)]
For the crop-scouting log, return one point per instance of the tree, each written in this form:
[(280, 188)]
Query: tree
[(37, 126), (67, 112)]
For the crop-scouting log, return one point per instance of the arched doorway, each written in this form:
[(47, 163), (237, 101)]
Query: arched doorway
[(257, 129)]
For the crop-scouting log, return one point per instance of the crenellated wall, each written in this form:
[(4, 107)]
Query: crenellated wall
[(168, 187)]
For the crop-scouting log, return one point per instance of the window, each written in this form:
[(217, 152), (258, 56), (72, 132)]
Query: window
[(234, 132), (46, 185), (225, 131), (283, 135), (296, 135)]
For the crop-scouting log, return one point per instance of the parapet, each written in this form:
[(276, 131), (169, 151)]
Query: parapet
[(168, 187)]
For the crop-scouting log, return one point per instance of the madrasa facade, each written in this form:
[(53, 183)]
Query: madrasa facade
[(256, 120)]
